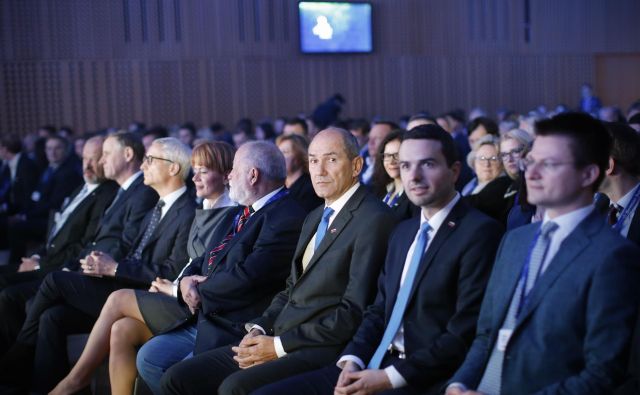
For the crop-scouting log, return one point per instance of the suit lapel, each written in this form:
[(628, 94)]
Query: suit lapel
[(305, 237), (336, 227), (449, 225), (395, 270), (634, 228), (511, 275), (570, 248)]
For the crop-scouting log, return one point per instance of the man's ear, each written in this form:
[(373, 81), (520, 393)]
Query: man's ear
[(128, 154), (254, 175), (590, 174), (356, 164), (612, 168)]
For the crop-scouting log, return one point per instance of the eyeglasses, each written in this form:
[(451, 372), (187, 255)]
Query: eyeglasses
[(390, 157), (545, 165), (513, 154), (148, 159), (488, 159)]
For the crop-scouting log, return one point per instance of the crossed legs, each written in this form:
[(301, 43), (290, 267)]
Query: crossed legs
[(120, 328)]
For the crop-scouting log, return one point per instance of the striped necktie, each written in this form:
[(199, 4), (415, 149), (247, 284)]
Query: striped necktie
[(246, 213)]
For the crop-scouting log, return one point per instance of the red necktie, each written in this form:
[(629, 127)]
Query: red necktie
[(246, 213)]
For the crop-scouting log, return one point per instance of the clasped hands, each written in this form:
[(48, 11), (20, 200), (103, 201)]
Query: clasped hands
[(354, 381), (190, 293), (254, 349), (98, 264)]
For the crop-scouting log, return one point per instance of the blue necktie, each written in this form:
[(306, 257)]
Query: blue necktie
[(323, 225), (151, 227), (403, 297)]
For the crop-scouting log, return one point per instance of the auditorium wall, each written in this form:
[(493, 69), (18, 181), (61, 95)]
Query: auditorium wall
[(98, 63)]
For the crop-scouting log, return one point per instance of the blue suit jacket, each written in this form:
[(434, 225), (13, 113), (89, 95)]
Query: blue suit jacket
[(440, 319), (573, 335)]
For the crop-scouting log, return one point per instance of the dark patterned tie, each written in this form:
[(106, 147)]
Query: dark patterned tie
[(151, 227), (612, 215), (246, 213)]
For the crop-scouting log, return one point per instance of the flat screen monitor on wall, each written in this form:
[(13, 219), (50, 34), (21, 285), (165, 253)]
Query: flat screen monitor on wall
[(335, 27)]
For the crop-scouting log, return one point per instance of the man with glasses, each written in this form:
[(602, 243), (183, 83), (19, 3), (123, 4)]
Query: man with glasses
[(562, 299), (69, 302)]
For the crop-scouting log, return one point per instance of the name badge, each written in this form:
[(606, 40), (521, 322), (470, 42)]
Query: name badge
[(503, 339), (35, 196)]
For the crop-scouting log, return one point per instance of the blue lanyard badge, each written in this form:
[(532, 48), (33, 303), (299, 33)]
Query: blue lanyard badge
[(626, 212)]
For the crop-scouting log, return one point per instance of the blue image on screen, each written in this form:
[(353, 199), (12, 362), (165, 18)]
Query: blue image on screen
[(327, 27)]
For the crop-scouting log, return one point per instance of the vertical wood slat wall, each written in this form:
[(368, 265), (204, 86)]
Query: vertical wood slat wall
[(95, 64)]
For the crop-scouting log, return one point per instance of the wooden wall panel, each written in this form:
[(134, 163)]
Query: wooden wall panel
[(106, 63)]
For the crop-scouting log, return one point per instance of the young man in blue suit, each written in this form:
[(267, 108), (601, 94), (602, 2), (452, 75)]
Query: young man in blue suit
[(562, 299), (417, 331)]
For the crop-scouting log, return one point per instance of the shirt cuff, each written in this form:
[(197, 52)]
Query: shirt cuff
[(249, 327), (174, 290), (277, 343), (351, 358), (460, 386), (396, 379)]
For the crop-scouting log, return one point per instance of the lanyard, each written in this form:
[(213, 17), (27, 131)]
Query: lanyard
[(626, 212), (390, 202), (524, 276)]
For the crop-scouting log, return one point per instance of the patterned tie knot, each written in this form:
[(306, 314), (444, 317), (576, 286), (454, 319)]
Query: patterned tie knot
[(548, 228), (160, 204)]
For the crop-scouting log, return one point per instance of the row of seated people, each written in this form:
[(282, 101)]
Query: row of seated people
[(367, 306)]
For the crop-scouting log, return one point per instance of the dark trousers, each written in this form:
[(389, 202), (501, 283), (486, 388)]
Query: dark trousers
[(13, 300), (319, 382), (66, 303), (216, 370)]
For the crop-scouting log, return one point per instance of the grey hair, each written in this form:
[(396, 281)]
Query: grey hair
[(489, 139), (349, 140), (176, 152), (267, 158), (519, 135)]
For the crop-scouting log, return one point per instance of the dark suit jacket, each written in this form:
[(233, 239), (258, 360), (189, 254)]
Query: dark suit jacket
[(634, 228), (248, 272), (490, 200), (573, 335), (120, 225), (80, 227), (20, 189), (60, 185), (403, 208), (440, 319), (302, 191), (321, 308), (165, 253)]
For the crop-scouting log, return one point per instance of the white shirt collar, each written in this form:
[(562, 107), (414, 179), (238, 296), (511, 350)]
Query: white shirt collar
[(222, 201), (438, 218), (340, 202), (260, 203), (568, 222), (125, 185), (171, 198), (626, 199)]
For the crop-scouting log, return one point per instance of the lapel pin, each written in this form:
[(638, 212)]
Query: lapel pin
[(333, 230), (451, 224)]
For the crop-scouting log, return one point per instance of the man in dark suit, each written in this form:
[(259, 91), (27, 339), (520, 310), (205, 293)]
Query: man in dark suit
[(69, 230), (240, 273), (337, 260), (423, 320), (622, 186), (69, 302), (20, 176), (57, 182), (563, 295), (120, 160)]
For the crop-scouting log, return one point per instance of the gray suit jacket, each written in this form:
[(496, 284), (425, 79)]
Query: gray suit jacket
[(573, 335)]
